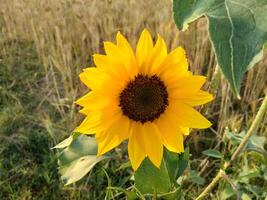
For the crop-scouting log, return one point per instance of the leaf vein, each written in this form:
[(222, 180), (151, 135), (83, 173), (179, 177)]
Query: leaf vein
[(231, 44)]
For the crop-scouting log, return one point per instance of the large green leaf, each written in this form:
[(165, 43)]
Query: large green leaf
[(150, 179), (183, 162), (171, 163), (78, 157), (237, 29)]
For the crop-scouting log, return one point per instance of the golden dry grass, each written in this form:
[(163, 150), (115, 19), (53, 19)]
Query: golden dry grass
[(67, 33)]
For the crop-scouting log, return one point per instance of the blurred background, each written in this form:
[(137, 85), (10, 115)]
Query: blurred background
[(44, 45)]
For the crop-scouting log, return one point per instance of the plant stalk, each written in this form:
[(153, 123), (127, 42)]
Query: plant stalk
[(253, 128), (215, 81)]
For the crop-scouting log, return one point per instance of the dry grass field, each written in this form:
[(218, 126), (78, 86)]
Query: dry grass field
[(45, 44)]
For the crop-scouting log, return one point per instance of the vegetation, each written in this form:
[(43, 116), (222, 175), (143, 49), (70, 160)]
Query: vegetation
[(43, 47)]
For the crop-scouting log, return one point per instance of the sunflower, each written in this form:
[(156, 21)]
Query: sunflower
[(145, 97)]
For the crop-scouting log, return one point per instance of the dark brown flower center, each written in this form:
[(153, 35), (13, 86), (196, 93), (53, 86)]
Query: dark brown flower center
[(144, 99)]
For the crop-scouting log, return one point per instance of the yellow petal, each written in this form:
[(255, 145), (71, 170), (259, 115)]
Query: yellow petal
[(175, 62), (97, 79), (102, 61), (116, 69), (112, 50), (99, 120), (92, 78), (170, 132), (93, 101), (136, 146), (113, 136), (184, 130), (196, 99), (117, 55), (90, 125), (158, 54), (189, 117), (110, 112), (180, 87), (154, 147), (124, 45), (144, 47)]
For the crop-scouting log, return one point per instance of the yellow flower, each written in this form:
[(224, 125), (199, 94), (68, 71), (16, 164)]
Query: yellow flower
[(146, 97)]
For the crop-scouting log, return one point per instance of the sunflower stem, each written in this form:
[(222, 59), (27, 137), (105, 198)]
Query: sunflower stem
[(253, 128)]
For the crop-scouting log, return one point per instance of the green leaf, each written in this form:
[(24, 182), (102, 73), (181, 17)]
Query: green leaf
[(183, 162), (171, 161), (245, 196), (227, 192), (130, 195), (76, 160), (265, 46), (255, 142), (234, 138), (124, 166), (176, 194), (67, 141), (149, 179), (64, 143), (246, 174), (237, 29), (176, 163), (195, 178), (213, 153)]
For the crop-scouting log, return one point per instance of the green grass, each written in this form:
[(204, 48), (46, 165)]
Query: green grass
[(28, 166)]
